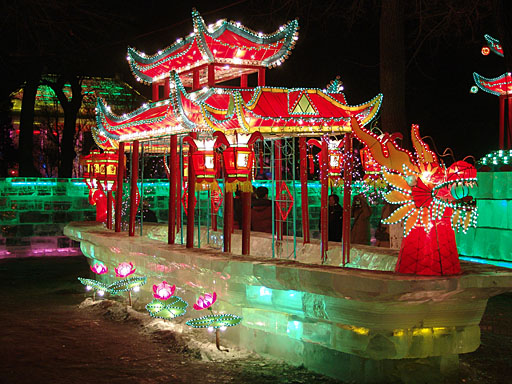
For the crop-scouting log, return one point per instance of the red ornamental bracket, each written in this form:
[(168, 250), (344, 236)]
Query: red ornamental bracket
[(216, 200)]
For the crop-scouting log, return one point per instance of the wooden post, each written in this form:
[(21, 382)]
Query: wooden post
[(347, 191), (304, 189), (171, 228), (228, 219), (246, 223), (191, 199), (133, 187), (324, 197), (119, 189)]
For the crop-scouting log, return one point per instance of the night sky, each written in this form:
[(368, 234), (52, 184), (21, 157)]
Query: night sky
[(438, 80)]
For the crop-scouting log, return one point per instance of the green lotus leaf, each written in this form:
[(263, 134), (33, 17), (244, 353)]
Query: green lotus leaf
[(94, 284), (127, 284), (167, 310), (215, 321)]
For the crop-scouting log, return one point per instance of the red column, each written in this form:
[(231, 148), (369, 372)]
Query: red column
[(191, 199), (347, 191), (133, 187), (509, 98), (211, 75), (243, 81), (502, 122), (278, 177), (167, 88), (228, 219), (195, 80), (119, 188), (324, 198), (171, 228), (109, 209), (246, 223), (154, 89), (304, 189), (261, 77)]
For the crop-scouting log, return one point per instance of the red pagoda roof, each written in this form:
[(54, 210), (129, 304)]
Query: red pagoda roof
[(270, 110), (498, 86), (233, 48)]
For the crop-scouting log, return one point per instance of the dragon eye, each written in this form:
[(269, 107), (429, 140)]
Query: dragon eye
[(459, 191), (411, 180)]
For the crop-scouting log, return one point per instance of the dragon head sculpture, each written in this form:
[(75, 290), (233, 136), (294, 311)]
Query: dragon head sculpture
[(432, 200)]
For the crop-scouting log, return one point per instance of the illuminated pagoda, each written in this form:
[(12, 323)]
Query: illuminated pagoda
[(500, 86), (189, 99)]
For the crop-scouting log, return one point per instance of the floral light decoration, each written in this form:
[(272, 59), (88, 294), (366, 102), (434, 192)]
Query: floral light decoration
[(206, 301), (127, 284), (163, 291), (430, 201), (99, 268), (212, 322), (124, 269), (165, 305)]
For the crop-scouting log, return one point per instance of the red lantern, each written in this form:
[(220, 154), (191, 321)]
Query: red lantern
[(238, 159), (105, 169), (203, 159), (335, 160)]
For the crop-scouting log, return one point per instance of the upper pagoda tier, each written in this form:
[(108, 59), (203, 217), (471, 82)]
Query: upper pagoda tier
[(269, 110), (233, 49)]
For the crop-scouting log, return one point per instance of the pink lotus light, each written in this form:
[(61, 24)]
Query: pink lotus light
[(124, 269), (205, 301), (163, 291), (99, 268)]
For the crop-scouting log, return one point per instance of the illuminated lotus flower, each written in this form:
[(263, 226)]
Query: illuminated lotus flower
[(163, 291), (205, 301), (99, 268), (124, 269)]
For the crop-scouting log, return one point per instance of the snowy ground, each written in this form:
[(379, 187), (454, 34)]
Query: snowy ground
[(51, 333)]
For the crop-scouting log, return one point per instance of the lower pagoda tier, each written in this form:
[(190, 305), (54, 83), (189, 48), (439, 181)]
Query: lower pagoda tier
[(269, 110)]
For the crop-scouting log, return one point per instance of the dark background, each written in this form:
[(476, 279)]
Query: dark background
[(335, 38)]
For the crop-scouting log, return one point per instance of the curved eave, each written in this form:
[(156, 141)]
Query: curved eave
[(497, 86), (249, 40), (494, 45), (242, 116)]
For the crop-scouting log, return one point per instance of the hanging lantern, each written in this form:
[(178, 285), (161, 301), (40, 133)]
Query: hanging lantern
[(105, 169), (238, 159), (203, 159), (335, 160)]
